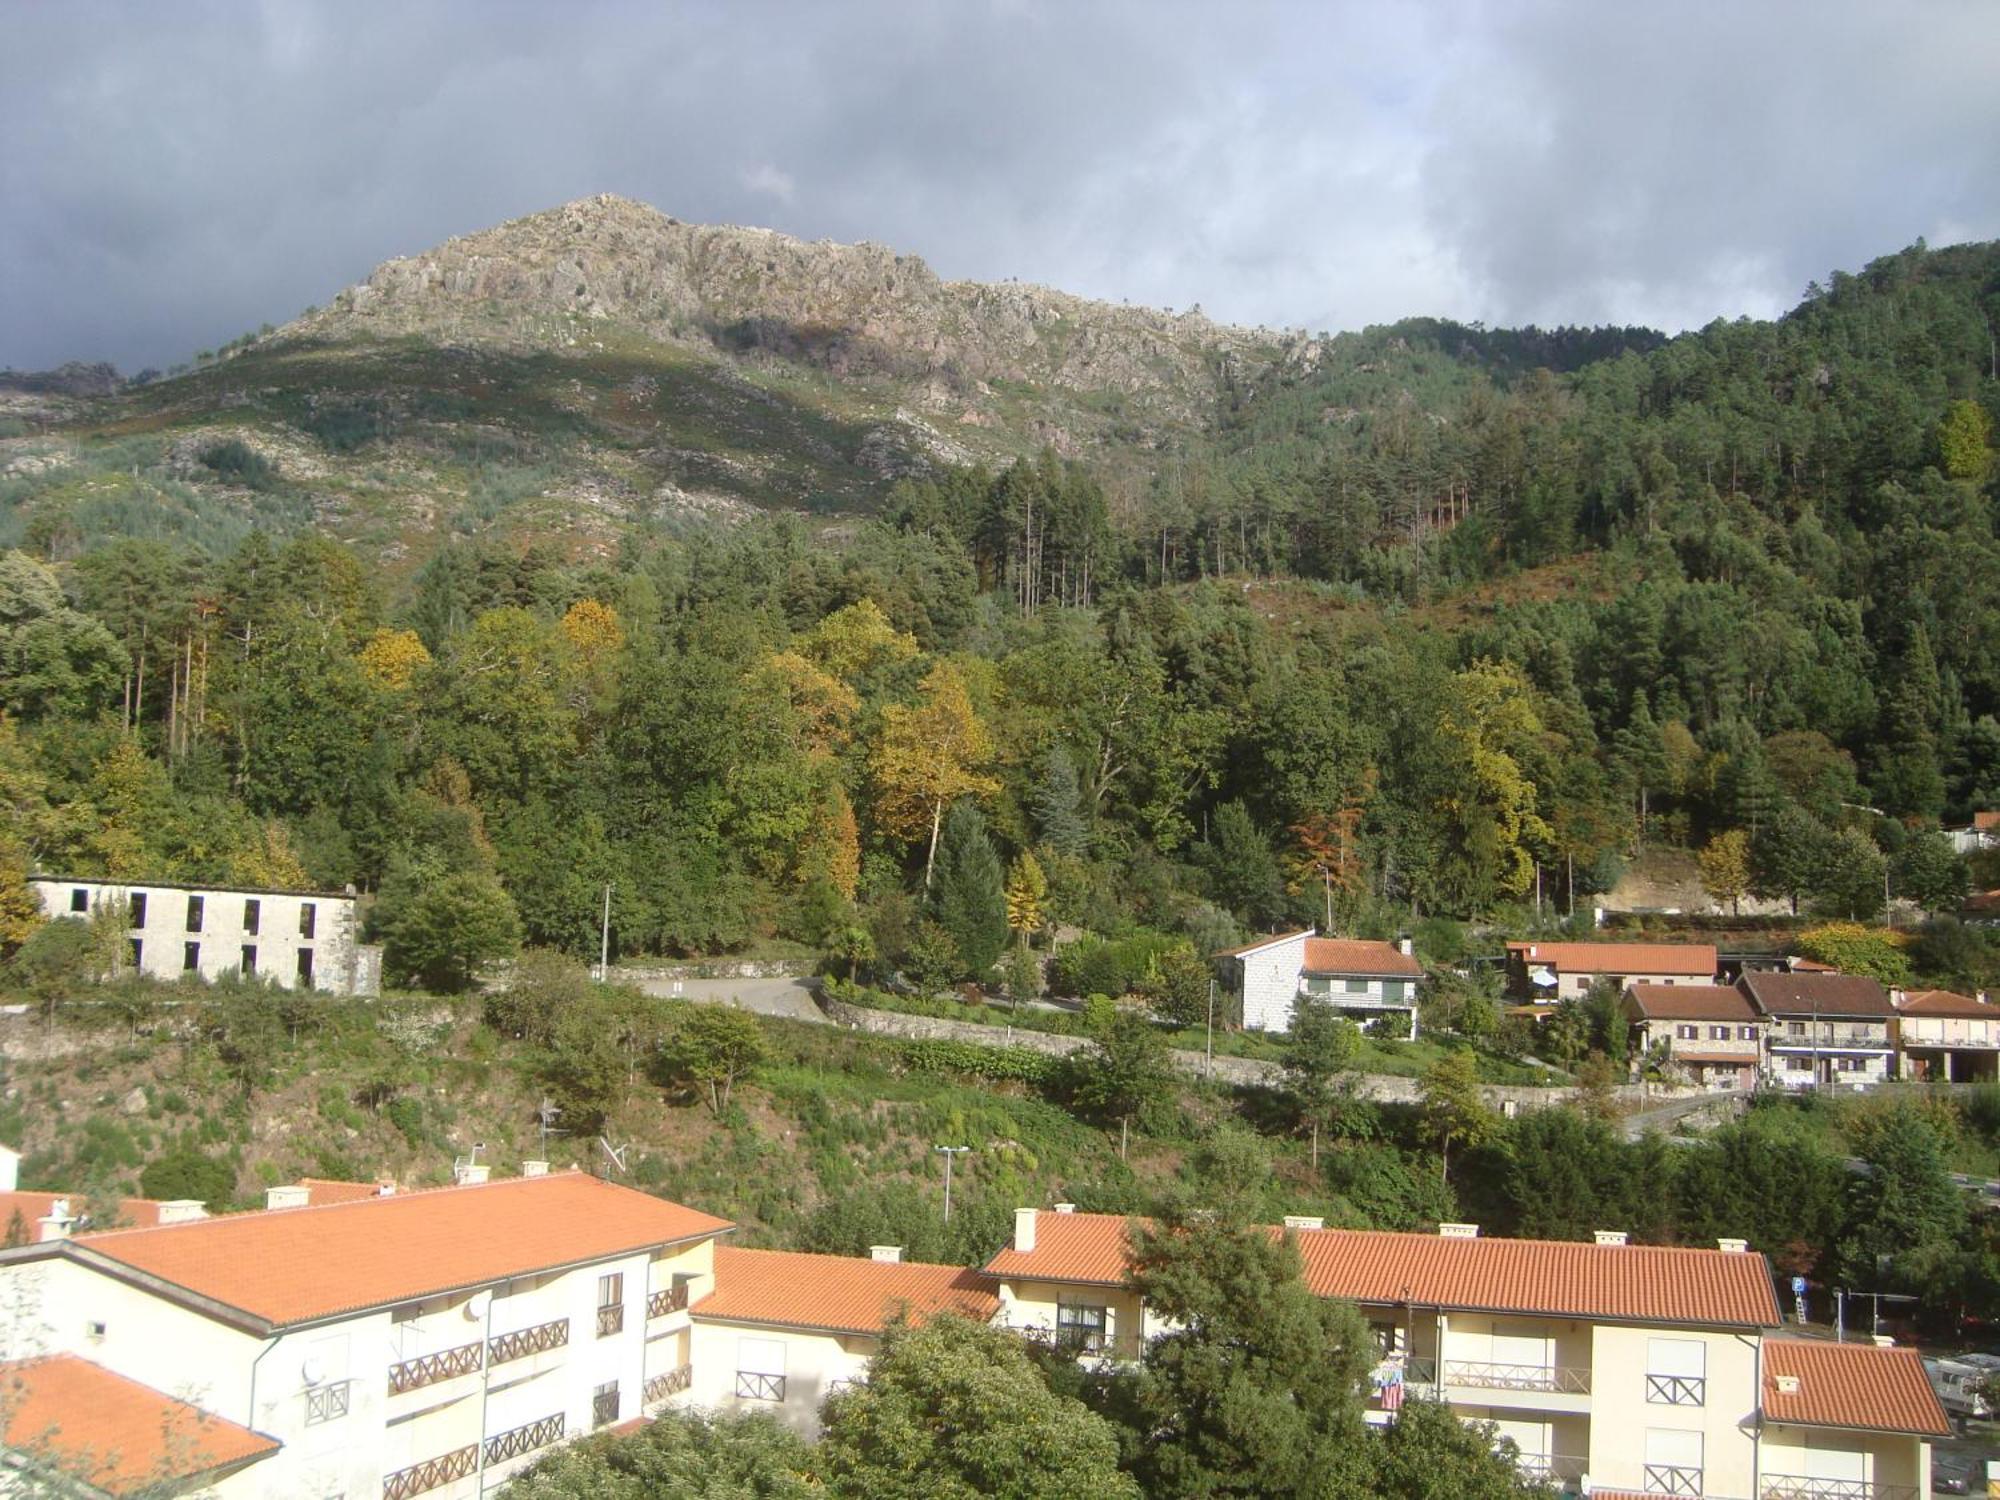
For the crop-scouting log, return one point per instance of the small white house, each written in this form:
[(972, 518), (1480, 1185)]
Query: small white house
[(1363, 980), (293, 939)]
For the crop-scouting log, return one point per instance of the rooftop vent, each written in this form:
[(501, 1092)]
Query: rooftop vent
[(887, 1255), (59, 1222), (534, 1169), (1406, 947), (1304, 1221), (182, 1210), (1609, 1236), (1735, 1247), (1459, 1231), (470, 1174), (291, 1195), (1065, 1208), (1024, 1229)]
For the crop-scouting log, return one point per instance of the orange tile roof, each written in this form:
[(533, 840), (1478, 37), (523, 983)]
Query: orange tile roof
[(1555, 1278), (115, 1434), (1945, 1003), (1690, 1002), (1358, 956), (1697, 960), (1987, 822), (1851, 1385), (839, 1293), (1726, 1059), (323, 1190), (1809, 966), (309, 1263), (137, 1213)]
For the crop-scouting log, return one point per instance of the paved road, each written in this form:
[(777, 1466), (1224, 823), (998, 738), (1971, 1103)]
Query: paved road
[(790, 998)]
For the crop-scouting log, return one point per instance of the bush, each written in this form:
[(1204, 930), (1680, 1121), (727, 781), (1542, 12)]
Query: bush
[(974, 1060), (187, 1173), (239, 463), (1104, 966)]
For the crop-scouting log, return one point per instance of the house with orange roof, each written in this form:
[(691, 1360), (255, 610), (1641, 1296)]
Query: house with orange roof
[(783, 1330), (421, 1343), (1711, 1032), (1846, 1419), (1946, 1037), (1540, 973), (1366, 980), (1615, 1368), (30, 1215), (1983, 832)]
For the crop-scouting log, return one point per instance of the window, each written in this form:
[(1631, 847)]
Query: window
[(194, 914), (1082, 1326), (760, 1369), (1676, 1371), (1718, 1033), (135, 908), (1318, 986), (610, 1304), (249, 960), (1673, 1462), (1795, 1028), (305, 969), (253, 911), (1395, 989), (1798, 1065), (307, 919), (191, 957), (1687, 1033), (79, 899), (1746, 1033), (138, 951), (1355, 986), (93, 1330), (604, 1404)]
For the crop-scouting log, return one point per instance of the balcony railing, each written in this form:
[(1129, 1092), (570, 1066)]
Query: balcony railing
[(523, 1439), (1672, 1479), (1676, 1390), (1550, 1468), (326, 1403), (604, 1407), (429, 1369), (760, 1387), (610, 1320), (669, 1383), (431, 1474), (1561, 1378), (672, 1300), (1800, 1487), (537, 1340)]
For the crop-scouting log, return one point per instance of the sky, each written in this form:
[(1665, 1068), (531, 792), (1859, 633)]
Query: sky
[(172, 175)]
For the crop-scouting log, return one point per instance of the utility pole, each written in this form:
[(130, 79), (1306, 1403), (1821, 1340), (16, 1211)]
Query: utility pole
[(1209, 1071), (604, 939), (949, 1152)]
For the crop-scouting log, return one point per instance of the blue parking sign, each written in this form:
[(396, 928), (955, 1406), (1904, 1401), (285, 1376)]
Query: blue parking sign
[(1798, 1286)]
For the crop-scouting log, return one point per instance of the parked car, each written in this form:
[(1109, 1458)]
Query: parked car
[(1952, 1476)]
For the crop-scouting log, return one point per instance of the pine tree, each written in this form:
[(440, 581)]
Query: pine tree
[(969, 897), (1056, 804)]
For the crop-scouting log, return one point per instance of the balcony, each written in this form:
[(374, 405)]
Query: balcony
[(673, 1299), (759, 1387), (668, 1383), (429, 1369), (460, 1463), (1564, 1379), (610, 1320), (1672, 1479), (524, 1439), (604, 1406), (1799, 1487), (327, 1403), (537, 1340), (1676, 1390), (1550, 1468)]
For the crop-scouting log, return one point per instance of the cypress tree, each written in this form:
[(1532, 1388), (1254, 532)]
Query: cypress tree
[(969, 895)]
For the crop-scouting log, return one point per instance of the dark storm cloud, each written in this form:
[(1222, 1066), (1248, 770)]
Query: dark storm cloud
[(174, 174)]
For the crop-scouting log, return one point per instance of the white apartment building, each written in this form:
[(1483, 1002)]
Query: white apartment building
[(294, 939), (428, 1343), (1616, 1369)]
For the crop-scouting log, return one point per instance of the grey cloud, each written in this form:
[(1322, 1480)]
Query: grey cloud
[(176, 174)]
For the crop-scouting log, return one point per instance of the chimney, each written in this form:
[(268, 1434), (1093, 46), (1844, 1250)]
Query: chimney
[(1734, 1247), (59, 1221), (292, 1195), (1406, 947), (1304, 1221), (1458, 1231), (1788, 1385), (534, 1169), (1065, 1208), (386, 1188), (887, 1255), (471, 1174), (182, 1210), (1609, 1236), (10, 1169), (1024, 1229)]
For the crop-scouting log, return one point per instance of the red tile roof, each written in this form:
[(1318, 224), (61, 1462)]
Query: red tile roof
[(1690, 1002), (1983, 901), (1945, 1003), (1358, 956), (115, 1434), (1817, 994), (839, 1293), (1809, 966), (324, 1190), (137, 1213), (1696, 960), (1987, 822), (1628, 1283), (1851, 1385), (309, 1263)]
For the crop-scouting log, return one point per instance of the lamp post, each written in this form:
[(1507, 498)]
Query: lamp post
[(948, 1152)]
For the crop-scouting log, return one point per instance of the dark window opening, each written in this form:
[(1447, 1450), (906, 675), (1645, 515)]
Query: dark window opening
[(79, 899), (194, 914), (306, 967), (136, 906), (308, 915), (138, 949), (252, 910), (249, 960), (191, 957)]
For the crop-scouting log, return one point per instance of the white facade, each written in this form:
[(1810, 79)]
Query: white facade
[(293, 939), (1270, 981), (783, 1372), (1274, 974)]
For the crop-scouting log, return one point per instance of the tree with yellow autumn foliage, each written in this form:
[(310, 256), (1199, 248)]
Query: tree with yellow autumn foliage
[(931, 753)]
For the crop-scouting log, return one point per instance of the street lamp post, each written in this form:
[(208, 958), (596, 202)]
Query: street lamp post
[(948, 1152)]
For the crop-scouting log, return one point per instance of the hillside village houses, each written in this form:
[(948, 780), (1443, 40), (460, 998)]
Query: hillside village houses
[(1545, 973), (1712, 1032), (1369, 982), (306, 940), (369, 1342)]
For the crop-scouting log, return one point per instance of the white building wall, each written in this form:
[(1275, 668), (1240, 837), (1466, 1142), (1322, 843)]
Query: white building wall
[(1271, 983), (812, 1362)]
